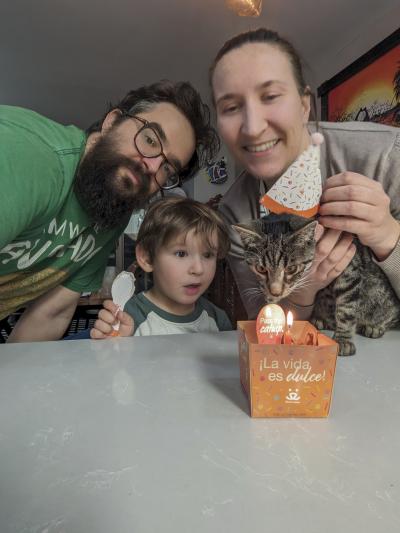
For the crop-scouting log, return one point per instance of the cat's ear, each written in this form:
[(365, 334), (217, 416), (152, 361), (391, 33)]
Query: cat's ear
[(297, 222), (308, 232), (248, 233)]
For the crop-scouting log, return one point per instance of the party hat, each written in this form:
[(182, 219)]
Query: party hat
[(298, 190)]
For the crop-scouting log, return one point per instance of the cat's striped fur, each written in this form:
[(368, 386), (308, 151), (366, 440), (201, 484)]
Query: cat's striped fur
[(280, 250)]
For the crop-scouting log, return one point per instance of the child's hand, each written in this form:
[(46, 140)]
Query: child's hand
[(107, 317)]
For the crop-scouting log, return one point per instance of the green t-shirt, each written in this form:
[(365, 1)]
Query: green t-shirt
[(149, 319), (46, 238)]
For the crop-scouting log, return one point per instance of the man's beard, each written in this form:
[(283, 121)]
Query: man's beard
[(103, 191)]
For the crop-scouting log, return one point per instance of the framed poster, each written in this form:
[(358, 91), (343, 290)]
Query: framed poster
[(368, 89)]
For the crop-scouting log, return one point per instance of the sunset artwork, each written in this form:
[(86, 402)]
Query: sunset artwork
[(367, 90)]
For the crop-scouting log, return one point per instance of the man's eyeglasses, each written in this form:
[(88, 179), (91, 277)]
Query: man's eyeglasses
[(148, 144)]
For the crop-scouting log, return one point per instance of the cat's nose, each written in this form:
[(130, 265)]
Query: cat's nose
[(275, 289)]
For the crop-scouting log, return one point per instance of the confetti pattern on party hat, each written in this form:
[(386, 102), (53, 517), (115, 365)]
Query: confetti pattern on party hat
[(298, 190)]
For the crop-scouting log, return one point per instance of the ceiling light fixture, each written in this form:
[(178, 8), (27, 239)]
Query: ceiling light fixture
[(245, 8)]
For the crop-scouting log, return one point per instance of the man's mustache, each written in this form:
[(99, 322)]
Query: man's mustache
[(120, 161), (140, 173)]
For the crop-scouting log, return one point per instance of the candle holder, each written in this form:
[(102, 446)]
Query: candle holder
[(290, 379), (270, 324)]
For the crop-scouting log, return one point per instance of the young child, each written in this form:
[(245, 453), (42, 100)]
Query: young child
[(179, 242)]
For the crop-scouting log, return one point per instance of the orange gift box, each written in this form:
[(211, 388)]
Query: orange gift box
[(293, 380)]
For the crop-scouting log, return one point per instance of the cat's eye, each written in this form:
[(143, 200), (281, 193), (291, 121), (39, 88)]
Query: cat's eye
[(260, 269), (292, 269)]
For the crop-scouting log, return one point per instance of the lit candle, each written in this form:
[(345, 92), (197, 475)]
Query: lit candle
[(270, 324), (287, 337)]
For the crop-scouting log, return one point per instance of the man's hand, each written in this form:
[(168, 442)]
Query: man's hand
[(333, 253), (109, 315), (356, 204), (47, 318)]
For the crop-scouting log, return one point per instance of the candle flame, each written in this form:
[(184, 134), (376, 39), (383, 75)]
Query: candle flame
[(289, 320)]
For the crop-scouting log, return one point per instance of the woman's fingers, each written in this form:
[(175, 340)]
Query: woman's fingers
[(343, 263), (333, 253), (325, 245)]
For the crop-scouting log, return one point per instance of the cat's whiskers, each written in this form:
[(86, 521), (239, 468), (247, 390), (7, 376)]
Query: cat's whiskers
[(302, 281), (250, 290), (253, 292)]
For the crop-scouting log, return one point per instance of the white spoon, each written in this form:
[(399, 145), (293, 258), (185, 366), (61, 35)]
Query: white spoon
[(122, 290)]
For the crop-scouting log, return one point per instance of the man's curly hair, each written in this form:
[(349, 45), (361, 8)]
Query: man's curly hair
[(188, 101)]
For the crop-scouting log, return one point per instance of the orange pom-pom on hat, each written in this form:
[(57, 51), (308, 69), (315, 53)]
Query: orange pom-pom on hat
[(298, 190)]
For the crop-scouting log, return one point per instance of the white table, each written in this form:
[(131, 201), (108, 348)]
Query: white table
[(152, 435)]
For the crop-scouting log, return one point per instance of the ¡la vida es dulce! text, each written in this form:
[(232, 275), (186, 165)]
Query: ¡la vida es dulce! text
[(302, 370)]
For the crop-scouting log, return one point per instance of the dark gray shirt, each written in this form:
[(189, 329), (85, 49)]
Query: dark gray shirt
[(363, 147)]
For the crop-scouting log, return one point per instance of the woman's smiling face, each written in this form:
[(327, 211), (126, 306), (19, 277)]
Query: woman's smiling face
[(261, 115)]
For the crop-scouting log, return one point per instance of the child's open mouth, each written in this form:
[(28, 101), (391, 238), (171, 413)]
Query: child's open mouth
[(192, 288)]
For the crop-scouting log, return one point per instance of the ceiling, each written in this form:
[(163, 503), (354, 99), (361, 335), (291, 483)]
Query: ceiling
[(67, 59)]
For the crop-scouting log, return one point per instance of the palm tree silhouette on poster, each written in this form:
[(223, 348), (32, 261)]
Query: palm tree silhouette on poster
[(396, 91), (389, 116)]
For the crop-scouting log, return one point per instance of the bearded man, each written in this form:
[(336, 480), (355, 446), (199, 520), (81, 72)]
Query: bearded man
[(66, 194)]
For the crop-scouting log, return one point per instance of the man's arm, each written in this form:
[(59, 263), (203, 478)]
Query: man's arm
[(47, 318)]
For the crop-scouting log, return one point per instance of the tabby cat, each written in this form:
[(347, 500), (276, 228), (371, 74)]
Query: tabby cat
[(280, 250)]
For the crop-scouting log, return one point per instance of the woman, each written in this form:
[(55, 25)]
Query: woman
[(263, 106)]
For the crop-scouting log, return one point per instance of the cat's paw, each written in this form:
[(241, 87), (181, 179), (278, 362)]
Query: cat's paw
[(346, 347), (318, 323), (373, 332)]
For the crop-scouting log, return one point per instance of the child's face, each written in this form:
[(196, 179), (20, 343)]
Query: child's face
[(183, 270)]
